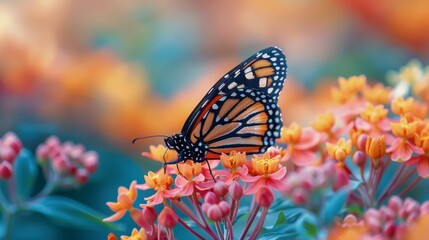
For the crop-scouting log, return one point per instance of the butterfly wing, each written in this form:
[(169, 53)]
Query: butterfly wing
[(265, 71), (245, 120)]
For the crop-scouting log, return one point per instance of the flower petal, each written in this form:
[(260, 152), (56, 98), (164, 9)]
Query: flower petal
[(309, 139), (116, 216), (254, 187), (423, 168), (303, 157), (279, 174)]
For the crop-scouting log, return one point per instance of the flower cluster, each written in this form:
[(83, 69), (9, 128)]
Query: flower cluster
[(351, 159), (196, 194), (10, 147), (71, 162)]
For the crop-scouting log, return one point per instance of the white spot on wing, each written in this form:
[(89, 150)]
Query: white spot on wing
[(250, 75), (263, 82), (232, 85), (270, 90), (266, 55)]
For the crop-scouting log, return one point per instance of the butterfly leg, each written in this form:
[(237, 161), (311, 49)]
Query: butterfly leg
[(210, 169)]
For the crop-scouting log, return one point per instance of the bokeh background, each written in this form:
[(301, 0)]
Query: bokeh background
[(103, 72)]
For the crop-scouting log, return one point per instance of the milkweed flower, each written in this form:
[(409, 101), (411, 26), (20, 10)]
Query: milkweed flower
[(373, 120), (161, 183), (235, 162), (402, 148), (269, 174), (126, 198), (189, 180), (377, 94), (135, 235), (160, 153), (422, 161), (340, 150), (10, 147), (300, 144)]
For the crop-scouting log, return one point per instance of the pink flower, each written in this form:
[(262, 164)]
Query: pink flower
[(422, 163), (161, 183), (185, 187), (270, 175), (301, 143), (402, 150)]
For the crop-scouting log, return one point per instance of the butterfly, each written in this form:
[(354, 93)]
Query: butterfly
[(239, 112)]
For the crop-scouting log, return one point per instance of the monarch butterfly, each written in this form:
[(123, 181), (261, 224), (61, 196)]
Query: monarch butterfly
[(239, 112)]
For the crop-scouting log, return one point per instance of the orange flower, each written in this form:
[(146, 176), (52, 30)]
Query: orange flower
[(265, 165), (377, 94), (375, 146), (401, 106), (374, 114), (126, 198), (136, 235), (234, 160), (341, 97), (189, 169), (422, 140), (324, 122), (161, 183), (417, 229), (160, 152), (340, 150), (404, 129), (352, 85), (291, 134)]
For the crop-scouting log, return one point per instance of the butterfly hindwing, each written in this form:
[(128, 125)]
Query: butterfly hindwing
[(265, 71), (245, 120)]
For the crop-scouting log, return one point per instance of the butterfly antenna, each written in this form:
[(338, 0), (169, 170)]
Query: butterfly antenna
[(153, 136)]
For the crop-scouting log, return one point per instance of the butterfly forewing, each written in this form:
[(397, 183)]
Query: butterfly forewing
[(245, 120), (265, 71)]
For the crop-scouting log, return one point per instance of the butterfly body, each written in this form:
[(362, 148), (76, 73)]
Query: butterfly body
[(239, 112)]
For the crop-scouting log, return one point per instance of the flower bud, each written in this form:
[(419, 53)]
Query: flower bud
[(7, 154), (359, 158), (205, 206), (211, 198), (424, 208), (220, 188), (342, 179), (235, 190), (387, 214), (376, 146), (82, 176), (6, 170), (224, 207), (149, 215), (361, 141), (395, 203), (90, 161), (214, 213), (264, 197), (42, 153), (53, 142), (112, 236), (12, 141), (299, 196), (389, 229), (168, 217), (61, 164)]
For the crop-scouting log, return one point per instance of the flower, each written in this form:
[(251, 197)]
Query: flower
[(301, 142), (160, 153), (401, 148), (270, 175), (375, 147), (340, 150), (233, 160), (353, 84), (161, 183), (126, 198), (401, 106), (373, 119), (377, 94), (136, 235), (168, 217)]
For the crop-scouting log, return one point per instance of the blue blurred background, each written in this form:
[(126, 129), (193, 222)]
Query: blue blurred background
[(103, 72)]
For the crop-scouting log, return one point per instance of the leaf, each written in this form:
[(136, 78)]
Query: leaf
[(333, 205), (307, 225), (70, 213), (25, 173)]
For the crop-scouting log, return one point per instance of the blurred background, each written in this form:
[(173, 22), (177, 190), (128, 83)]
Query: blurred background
[(103, 72)]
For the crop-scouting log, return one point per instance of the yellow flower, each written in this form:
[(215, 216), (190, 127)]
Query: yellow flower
[(126, 198), (136, 235), (234, 160), (265, 165), (374, 114), (160, 152), (375, 146), (291, 134), (189, 169), (158, 180), (377, 94), (324, 122), (401, 106), (340, 150), (404, 129), (340, 97), (352, 85)]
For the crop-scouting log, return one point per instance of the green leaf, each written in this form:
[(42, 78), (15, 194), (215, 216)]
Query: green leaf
[(25, 173), (310, 228), (333, 205), (68, 212), (355, 209)]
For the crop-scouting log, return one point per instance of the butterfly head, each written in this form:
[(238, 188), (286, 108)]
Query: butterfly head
[(175, 142)]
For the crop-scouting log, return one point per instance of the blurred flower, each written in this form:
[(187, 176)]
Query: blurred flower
[(161, 153), (126, 198), (401, 106), (300, 143), (340, 150), (375, 147), (136, 235), (377, 94), (401, 148), (10, 147), (373, 119), (352, 85)]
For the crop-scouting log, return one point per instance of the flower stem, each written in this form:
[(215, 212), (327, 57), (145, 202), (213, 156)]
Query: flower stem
[(250, 220), (411, 186), (190, 229), (392, 183), (260, 223), (219, 231)]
